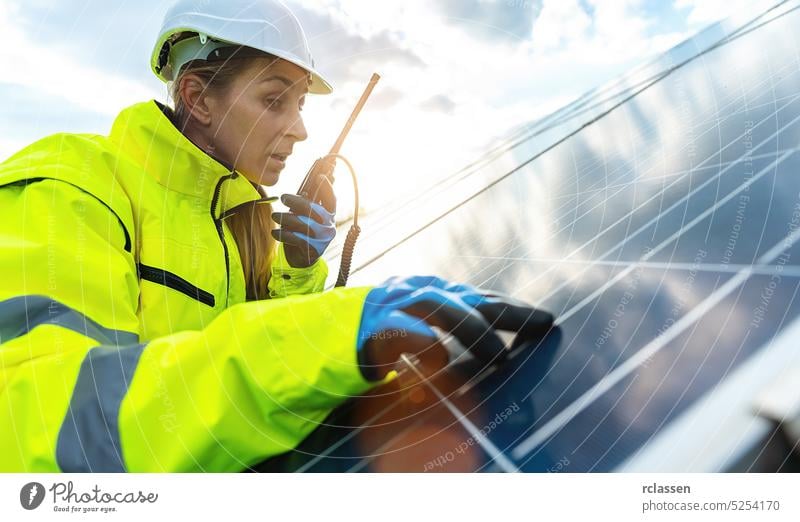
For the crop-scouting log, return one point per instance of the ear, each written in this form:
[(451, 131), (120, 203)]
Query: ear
[(192, 90)]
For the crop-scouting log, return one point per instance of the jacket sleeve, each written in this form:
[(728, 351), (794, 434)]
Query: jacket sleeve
[(80, 391), (285, 280)]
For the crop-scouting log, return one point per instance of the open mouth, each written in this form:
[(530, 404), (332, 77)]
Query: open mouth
[(278, 161)]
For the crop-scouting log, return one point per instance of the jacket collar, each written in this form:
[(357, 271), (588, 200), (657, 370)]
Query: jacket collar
[(146, 135)]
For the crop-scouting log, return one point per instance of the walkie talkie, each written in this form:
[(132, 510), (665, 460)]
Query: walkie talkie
[(323, 168)]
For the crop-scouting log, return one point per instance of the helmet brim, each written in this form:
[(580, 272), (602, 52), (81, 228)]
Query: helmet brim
[(318, 84)]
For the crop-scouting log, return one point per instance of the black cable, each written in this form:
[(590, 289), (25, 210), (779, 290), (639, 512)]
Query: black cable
[(352, 234)]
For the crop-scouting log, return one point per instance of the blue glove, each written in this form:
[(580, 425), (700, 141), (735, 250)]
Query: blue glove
[(398, 315), (306, 230)]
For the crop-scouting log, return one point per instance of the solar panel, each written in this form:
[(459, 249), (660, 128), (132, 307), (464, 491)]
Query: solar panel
[(658, 219)]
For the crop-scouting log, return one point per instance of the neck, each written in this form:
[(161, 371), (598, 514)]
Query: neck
[(198, 137), (189, 129)]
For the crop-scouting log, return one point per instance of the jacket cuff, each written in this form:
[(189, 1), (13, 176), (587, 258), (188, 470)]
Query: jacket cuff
[(286, 280)]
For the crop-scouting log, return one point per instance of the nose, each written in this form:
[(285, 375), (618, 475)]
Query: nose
[(297, 129)]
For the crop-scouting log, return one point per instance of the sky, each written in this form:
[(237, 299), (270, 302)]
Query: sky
[(456, 75)]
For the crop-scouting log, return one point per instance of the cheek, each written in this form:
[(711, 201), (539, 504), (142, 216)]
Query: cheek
[(267, 129), (240, 135), (256, 128), (251, 131), (229, 137)]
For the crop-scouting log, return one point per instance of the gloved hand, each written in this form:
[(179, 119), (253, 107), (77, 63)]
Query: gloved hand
[(306, 230), (398, 315)]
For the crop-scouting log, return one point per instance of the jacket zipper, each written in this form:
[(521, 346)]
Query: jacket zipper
[(170, 280), (221, 231)]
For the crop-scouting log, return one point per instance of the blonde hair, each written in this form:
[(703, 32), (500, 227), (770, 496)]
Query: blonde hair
[(251, 225)]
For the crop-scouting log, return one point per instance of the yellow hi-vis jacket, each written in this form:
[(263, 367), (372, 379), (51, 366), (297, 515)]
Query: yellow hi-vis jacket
[(126, 343)]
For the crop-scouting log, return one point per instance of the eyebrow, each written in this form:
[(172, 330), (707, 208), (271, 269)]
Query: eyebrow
[(283, 79)]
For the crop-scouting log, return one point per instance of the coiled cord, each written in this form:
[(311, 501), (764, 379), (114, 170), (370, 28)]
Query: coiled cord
[(352, 234)]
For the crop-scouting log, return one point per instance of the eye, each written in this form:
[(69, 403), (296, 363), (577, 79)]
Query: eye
[(274, 103)]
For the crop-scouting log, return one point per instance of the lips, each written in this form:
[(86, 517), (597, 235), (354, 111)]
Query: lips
[(278, 160)]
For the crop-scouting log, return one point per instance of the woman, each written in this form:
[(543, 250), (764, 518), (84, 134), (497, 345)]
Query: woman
[(151, 319)]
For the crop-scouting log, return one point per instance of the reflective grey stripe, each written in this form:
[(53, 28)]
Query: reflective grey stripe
[(89, 437), (19, 315)]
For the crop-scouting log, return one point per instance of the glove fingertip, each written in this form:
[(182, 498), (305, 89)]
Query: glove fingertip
[(542, 319)]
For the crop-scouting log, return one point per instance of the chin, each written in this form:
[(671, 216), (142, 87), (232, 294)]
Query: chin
[(269, 178)]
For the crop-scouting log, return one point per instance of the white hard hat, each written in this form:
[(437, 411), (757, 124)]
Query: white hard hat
[(263, 25)]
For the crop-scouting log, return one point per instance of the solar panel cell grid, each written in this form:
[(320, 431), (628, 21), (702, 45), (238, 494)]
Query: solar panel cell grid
[(663, 237)]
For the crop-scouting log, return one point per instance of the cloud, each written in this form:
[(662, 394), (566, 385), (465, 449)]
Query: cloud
[(492, 20), (561, 23), (464, 89), (52, 72), (344, 53), (386, 98), (31, 113), (34, 113), (704, 12), (116, 37), (456, 75), (440, 103), (600, 32)]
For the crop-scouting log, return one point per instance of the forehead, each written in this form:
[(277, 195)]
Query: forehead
[(281, 73)]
